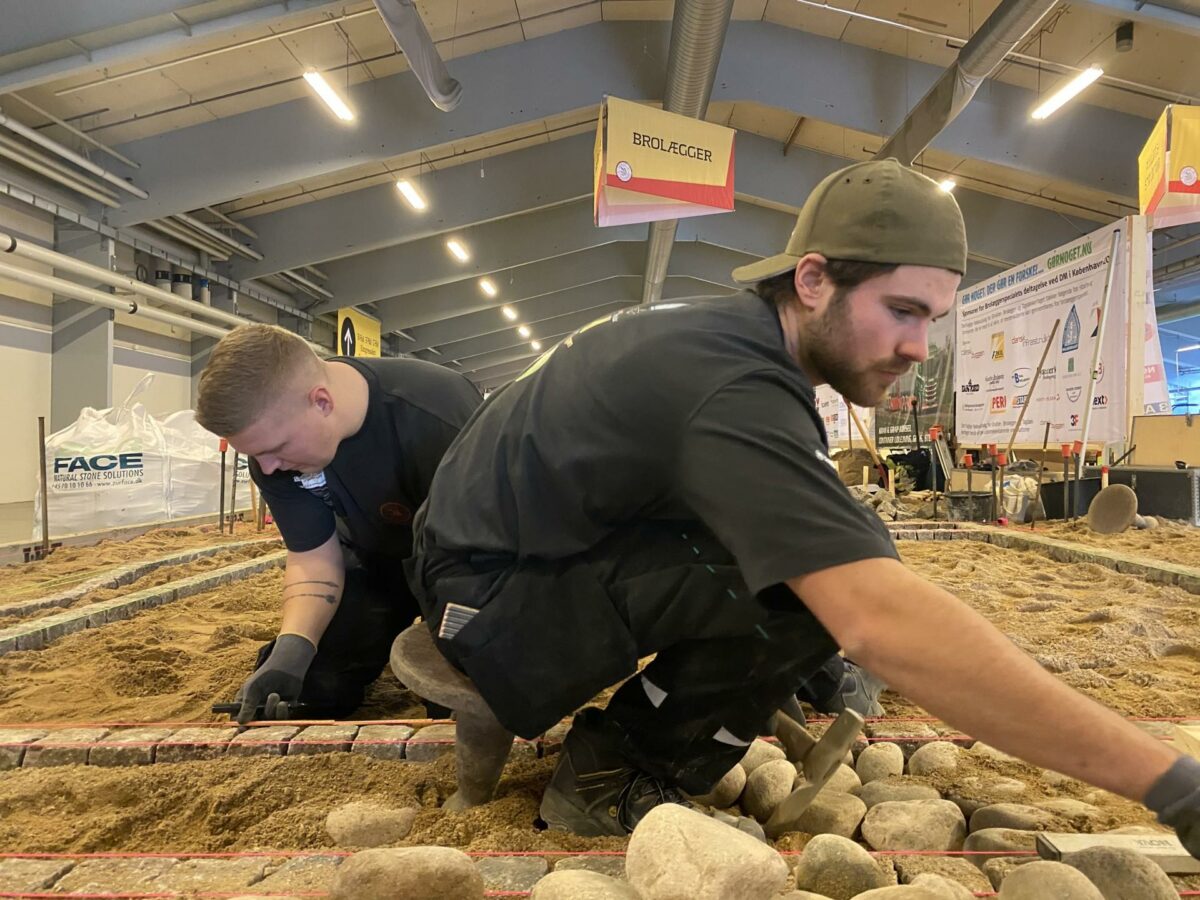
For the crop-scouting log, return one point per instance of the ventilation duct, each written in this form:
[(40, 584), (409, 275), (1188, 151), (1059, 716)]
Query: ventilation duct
[(1006, 27), (403, 20), (697, 37)]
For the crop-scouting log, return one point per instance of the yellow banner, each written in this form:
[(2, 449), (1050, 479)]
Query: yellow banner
[(651, 164), (357, 334), (1168, 166), (1152, 162)]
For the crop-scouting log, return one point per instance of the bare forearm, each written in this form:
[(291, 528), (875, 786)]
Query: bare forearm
[(312, 591), (933, 649)]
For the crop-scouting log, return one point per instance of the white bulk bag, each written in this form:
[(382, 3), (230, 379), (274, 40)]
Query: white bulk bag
[(194, 485), (105, 470)]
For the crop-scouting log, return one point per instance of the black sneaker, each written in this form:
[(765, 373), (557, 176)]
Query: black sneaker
[(859, 691), (593, 791)]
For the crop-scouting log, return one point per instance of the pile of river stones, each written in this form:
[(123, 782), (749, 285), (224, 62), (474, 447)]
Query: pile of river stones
[(880, 799)]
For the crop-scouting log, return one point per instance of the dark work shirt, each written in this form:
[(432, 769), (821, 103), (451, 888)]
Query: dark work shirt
[(688, 410), (380, 474)]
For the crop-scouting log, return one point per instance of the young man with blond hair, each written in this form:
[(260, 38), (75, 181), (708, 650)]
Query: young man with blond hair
[(660, 484), (343, 451)]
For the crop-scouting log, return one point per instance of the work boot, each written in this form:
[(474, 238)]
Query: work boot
[(593, 790), (859, 691)]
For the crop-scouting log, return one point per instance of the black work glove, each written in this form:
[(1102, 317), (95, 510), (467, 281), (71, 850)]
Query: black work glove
[(1176, 799), (277, 682)]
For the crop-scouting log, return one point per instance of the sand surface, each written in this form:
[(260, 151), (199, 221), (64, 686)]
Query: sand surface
[(68, 566), (1133, 645), (14, 608), (1171, 541)]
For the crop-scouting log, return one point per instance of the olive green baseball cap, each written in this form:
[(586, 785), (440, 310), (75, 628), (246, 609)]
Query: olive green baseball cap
[(877, 211)]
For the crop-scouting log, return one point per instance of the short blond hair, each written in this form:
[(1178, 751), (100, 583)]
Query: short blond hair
[(250, 368)]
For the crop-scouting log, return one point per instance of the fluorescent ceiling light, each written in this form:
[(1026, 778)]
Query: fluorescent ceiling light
[(415, 200), (459, 251), (536, 345), (524, 331), (486, 285), (1188, 347), (1067, 91), (509, 313), (329, 95), (947, 184)]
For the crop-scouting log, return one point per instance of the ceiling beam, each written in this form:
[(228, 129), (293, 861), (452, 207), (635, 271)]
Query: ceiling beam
[(505, 372), (494, 247), (35, 29), (377, 217), (611, 293), (999, 230), (458, 298), (845, 84)]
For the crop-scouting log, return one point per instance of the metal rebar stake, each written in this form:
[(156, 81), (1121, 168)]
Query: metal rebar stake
[(45, 487)]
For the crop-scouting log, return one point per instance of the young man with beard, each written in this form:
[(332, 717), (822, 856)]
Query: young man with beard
[(343, 451), (660, 483)]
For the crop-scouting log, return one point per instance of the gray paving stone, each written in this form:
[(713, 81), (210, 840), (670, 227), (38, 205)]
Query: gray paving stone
[(189, 744), (612, 866), (128, 747), (31, 874), (301, 874), (44, 752), (211, 875), (12, 755), (62, 624), (366, 741), (31, 638), (430, 742), (511, 873), (114, 876), (268, 740), (324, 738)]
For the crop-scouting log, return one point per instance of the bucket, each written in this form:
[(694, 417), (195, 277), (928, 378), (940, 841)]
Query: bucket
[(968, 506)]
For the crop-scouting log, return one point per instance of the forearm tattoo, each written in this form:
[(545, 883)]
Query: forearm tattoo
[(331, 599)]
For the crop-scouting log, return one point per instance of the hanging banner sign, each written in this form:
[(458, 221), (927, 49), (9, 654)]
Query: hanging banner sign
[(357, 334), (1001, 329), (651, 165), (839, 427), (1168, 167), (931, 384)]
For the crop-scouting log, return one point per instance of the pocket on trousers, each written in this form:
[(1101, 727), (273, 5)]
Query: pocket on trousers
[(543, 645)]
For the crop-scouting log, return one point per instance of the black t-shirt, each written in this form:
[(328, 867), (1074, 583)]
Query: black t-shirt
[(380, 474), (687, 410)]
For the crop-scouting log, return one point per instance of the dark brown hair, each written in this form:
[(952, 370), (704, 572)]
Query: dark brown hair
[(846, 274)]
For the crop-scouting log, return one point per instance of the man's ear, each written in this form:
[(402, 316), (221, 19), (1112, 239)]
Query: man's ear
[(320, 397), (810, 282)]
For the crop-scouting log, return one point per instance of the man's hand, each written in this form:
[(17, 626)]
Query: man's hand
[(1176, 799), (278, 680)]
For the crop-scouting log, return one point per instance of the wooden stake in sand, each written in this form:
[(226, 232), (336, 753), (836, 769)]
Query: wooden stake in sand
[(1032, 387), (254, 507), (866, 440)]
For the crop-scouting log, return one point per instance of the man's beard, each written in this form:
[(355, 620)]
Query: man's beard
[(829, 352)]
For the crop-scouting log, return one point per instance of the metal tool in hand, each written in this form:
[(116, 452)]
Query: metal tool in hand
[(282, 710)]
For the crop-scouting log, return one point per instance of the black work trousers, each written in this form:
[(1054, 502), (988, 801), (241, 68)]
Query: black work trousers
[(541, 639), (376, 606)]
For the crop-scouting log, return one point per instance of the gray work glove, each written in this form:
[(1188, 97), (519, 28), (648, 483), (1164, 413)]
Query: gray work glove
[(1176, 799), (277, 682)]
